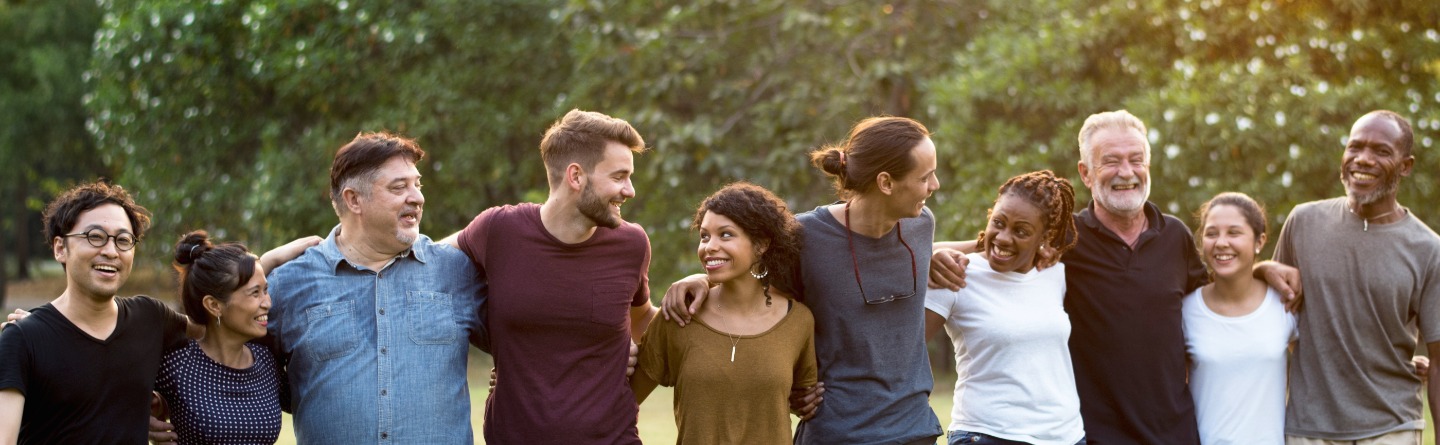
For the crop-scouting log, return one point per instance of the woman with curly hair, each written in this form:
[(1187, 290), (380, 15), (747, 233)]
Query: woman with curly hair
[(1015, 383), (733, 373)]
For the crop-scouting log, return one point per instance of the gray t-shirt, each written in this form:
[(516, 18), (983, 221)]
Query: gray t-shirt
[(872, 357), (1368, 296)]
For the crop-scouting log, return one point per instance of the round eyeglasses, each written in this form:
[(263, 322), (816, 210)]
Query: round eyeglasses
[(98, 237)]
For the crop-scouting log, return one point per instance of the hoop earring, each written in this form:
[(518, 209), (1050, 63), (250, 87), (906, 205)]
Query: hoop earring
[(759, 275)]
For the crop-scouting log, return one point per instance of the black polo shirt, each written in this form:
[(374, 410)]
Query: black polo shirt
[(1126, 339)]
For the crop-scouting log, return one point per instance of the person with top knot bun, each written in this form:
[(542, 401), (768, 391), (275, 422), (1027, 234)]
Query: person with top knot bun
[(221, 389), (861, 266)]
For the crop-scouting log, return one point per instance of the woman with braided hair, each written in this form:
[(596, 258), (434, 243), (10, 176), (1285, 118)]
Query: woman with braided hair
[(1009, 326)]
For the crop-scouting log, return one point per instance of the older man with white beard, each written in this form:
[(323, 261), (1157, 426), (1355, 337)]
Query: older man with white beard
[(1372, 279), (1125, 279)]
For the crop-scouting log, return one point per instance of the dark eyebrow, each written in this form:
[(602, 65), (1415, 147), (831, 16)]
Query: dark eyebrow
[(97, 226)]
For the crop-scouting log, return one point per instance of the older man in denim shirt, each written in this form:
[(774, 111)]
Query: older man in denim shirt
[(375, 319)]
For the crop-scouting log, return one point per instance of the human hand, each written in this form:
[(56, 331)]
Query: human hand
[(633, 360), (161, 432), (493, 378), (674, 307), (1285, 280), (805, 401), (16, 316), (1422, 367), (1046, 257), (947, 269)]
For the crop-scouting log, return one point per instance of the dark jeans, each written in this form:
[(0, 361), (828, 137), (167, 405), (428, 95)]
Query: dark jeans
[(969, 438)]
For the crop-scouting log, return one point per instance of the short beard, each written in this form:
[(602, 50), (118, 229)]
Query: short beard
[(1116, 205), (1392, 186), (596, 209)]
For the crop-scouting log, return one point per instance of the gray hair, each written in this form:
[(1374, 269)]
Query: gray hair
[(1119, 119)]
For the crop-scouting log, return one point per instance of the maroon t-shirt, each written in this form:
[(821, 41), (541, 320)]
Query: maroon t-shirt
[(559, 319)]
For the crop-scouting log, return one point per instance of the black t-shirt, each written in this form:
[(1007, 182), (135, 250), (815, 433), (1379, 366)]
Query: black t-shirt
[(81, 390), (1126, 340)]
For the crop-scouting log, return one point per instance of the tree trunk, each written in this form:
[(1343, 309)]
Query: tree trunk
[(22, 234)]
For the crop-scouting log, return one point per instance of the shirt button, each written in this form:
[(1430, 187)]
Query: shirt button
[(383, 392), (382, 311), (383, 350), (384, 435)]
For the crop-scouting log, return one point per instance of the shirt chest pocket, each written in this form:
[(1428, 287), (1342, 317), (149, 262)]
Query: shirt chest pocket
[(431, 318), (609, 304), (330, 331)]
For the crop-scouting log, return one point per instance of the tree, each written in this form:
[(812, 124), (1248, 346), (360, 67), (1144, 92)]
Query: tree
[(727, 91), (1248, 96), (43, 144), (225, 115)]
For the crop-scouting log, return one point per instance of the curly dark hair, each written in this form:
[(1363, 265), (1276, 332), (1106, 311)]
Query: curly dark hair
[(62, 213), (763, 217), (208, 269), (1055, 197)]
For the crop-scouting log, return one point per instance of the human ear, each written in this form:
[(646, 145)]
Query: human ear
[(351, 198), (884, 182), (58, 246), (575, 176), (213, 306)]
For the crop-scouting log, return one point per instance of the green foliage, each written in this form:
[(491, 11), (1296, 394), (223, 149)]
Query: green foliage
[(43, 143), (224, 114), (1254, 97), (727, 90)]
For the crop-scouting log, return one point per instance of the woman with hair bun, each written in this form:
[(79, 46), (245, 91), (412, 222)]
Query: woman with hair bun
[(733, 374), (221, 389)]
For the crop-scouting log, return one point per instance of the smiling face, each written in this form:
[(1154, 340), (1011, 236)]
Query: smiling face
[(95, 273), (608, 186), (1119, 179), (1373, 162), (726, 252), (392, 209), (246, 313), (908, 193), (1014, 235), (1228, 243)]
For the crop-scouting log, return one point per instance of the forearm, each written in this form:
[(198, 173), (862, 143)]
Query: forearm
[(962, 246), (640, 318), (12, 408)]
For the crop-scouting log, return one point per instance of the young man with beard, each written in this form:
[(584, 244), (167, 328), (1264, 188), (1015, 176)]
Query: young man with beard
[(81, 368), (1371, 273), (569, 291)]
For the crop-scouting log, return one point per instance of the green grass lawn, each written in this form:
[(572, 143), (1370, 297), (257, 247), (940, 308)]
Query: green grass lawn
[(657, 420)]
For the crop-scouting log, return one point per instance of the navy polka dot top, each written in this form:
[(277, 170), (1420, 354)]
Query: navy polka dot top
[(212, 403)]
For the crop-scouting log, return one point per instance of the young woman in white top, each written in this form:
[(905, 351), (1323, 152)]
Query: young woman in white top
[(1236, 330), (1015, 383)]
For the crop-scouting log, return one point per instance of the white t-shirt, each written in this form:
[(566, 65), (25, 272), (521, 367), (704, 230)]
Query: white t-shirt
[(1011, 335), (1237, 370)]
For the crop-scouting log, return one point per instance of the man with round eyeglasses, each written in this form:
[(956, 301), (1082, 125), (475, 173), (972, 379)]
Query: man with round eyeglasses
[(81, 368)]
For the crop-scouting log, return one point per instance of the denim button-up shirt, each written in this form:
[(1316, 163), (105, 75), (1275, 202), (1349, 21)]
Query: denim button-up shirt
[(378, 356)]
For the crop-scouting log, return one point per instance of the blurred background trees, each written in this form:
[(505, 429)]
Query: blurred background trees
[(223, 114)]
